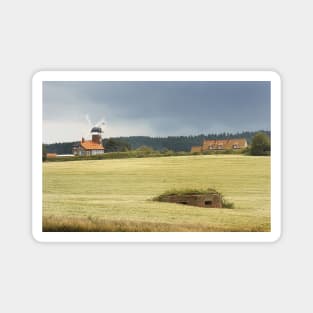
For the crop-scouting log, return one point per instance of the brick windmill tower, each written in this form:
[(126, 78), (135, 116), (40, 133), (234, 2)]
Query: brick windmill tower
[(96, 135)]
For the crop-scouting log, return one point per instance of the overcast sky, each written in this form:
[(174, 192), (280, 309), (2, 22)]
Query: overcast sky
[(153, 108)]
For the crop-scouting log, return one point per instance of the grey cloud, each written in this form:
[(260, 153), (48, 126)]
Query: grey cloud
[(167, 107)]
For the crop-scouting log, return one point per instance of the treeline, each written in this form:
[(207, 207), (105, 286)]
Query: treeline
[(173, 143)]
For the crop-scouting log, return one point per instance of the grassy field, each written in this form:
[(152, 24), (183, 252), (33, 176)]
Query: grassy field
[(116, 195)]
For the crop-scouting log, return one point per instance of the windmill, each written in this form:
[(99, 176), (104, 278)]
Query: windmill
[(96, 129)]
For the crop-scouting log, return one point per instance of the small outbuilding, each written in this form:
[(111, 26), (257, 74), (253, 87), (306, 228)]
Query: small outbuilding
[(51, 155)]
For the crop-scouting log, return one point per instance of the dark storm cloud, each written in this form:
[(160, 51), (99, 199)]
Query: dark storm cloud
[(167, 108)]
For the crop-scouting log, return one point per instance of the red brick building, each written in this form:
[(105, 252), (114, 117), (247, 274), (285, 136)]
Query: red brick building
[(223, 144), (90, 147)]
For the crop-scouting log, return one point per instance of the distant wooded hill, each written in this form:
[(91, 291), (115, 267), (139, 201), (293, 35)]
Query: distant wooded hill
[(175, 143)]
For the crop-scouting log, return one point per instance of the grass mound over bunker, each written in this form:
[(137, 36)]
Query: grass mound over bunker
[(206, 198)]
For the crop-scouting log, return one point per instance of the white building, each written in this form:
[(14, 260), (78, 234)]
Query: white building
[(90, 147)]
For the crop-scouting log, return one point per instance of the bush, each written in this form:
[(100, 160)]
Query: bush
[(207, 152), (145, 149), (167, 152), (229, 151), (246, 151)]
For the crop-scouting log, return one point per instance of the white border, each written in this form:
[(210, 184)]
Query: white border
[(42, 76)]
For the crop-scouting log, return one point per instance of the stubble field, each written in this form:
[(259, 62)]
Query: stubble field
[(116, 195)]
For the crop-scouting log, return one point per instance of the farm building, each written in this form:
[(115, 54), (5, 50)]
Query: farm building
[(90, 147), (225, 144), (54, 155), (51, 155)]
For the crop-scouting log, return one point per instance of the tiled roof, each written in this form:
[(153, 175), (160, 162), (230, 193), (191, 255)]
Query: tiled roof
[(90, 145)]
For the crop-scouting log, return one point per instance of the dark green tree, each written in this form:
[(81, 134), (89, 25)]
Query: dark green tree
[(116, 145), (261, 144)]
